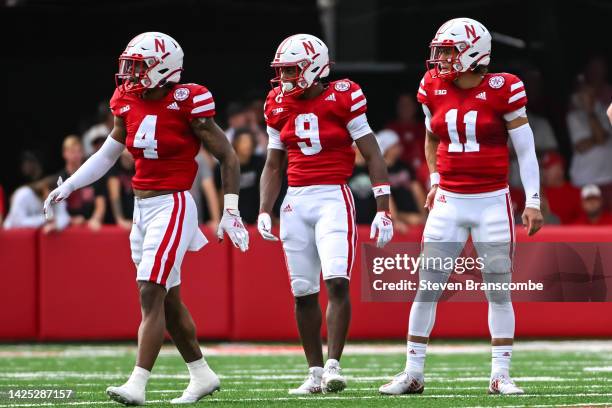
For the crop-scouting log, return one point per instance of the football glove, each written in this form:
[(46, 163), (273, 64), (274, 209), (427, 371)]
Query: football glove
[(264, 226), (231, 224), (61, 193), (384, 225)]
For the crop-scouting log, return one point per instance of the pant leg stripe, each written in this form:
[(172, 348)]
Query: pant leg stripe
[(351, 230), (177, 240), (164, 244)]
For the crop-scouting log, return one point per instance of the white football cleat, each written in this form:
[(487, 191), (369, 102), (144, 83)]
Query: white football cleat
[(199, 388), (126, 395), (404, 383), (332, 379), (503, 385), (312, 384)]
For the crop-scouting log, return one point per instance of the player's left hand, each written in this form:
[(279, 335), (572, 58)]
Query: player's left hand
[(383, 223), (231, 224), (532, 220)]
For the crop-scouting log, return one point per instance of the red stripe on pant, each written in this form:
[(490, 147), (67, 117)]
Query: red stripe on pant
[(351, 229), (164, 244), (177, 240), (511, 224)]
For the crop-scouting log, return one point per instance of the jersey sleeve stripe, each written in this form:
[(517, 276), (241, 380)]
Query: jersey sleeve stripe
[(358, 105), (422, 91), (517, 96), (204, 108), (202, 97), (516, 86), (356, 94)]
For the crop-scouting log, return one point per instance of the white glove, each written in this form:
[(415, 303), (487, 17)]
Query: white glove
[(231, 224), (264, 226), (383, 223), (61, 193)]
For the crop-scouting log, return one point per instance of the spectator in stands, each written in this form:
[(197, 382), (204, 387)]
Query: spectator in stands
[(120, 194), (86, 205), (100, 130), (209, 211), (257, 123), (361, 186), (591, 135), (237, 118), (593, 210), (27, 208), (410, 128), (251, 167), (31, 167), (596, 77), (550, 218), (407, 193), (563, 197)]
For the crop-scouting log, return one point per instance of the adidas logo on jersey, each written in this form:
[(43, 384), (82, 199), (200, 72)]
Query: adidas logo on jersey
[(442, 198), (482, 95), (287, 208), (173, 106), (331, 97)]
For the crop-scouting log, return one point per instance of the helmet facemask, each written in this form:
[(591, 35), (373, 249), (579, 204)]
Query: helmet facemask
[(291, 85), (134, 73), (445, 59)]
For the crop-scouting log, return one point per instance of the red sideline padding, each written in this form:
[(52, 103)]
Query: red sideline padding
[(263, 306), (88, 288), (18, 275)]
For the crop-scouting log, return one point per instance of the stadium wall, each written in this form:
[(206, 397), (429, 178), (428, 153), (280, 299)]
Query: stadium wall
[(79, 285)]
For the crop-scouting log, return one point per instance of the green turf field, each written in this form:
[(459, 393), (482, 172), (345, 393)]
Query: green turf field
[(552, 374)]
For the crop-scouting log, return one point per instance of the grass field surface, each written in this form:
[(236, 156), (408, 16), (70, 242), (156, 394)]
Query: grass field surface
[(568, 373)]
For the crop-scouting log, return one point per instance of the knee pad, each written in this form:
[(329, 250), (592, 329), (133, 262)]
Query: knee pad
[(302, 287), (334, 267), (430, 276), (497, 296), (496, 257)]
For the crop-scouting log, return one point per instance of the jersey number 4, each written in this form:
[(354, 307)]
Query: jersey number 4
[(470, 145), (307, 127), (145, 137)]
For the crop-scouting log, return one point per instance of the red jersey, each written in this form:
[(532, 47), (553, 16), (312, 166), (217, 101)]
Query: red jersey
[(472, 156), (159, 135), (315, 132)]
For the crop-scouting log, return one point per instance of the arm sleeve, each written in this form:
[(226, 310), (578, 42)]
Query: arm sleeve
[(274, 141), (203, 104), (359, 127), (97, 165), (522, 140)]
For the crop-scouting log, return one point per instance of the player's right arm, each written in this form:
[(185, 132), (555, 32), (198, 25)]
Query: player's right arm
[(93, 169), (431, 147), (269, 188)]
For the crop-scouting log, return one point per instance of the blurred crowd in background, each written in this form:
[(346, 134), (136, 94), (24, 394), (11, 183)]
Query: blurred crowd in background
[(576, 189)]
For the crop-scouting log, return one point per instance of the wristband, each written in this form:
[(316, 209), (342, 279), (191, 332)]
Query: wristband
[(381, 189), (434, 178), (230, 201)]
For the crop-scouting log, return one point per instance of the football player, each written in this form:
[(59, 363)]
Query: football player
[(162, 123), (313, 125), (469, 115)]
